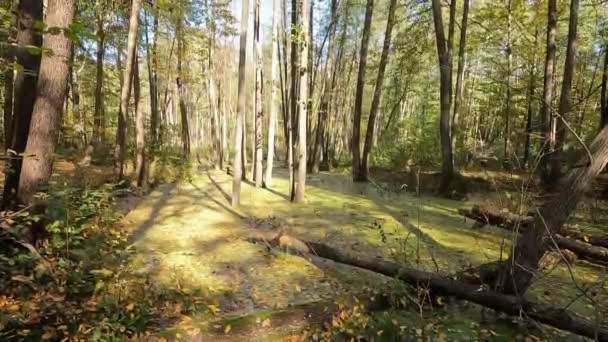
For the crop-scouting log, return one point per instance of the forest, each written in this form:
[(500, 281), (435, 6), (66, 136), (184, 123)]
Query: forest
[(304, 170)]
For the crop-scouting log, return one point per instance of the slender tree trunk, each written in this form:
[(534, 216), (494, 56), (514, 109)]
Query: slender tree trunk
[(509, 53), (445, 71), (293, 112), (9, 77), (29, 13), (259, 105), (181, 88), (127, 78), (79, 121), (460, 72), (371, 124), (241, 107), (604, 91), (546, 115), (99, 120), (304, 105), (152, 61), (358, 173), (531, 91), (140, 133), (273, 93), (51, 91), (564, 100), (327, 91)]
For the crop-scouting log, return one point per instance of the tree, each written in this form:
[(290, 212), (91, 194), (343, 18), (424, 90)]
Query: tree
[(259, 105), (445, 94), (293, 97), (564, 100), (181, 85), (371, 124), (460, 72), (509, 55), (152, 59), (272, 117), (358, 174), (140, 132), (545, 108), (9, 78), (327, 91), (99, 120), (303, 104), (604, 91), (51, 91), (121, 133), (237, 166), (530, 100), (29, 14)]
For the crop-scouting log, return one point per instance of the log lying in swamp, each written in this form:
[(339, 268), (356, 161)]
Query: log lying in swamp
[(557, 317), (511, 221)]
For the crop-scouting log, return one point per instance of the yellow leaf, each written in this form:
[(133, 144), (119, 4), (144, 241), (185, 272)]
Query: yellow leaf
[(213, 308), (266, 323), (130, 307), (227, 329), (380, 332), (586, 238)]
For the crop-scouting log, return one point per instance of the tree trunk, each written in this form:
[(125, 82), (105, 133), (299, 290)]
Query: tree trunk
[(293, 112), (530, 95), (564, 100), (327, 92), (241, 107), (79, 121), (509, 53), (460, 72), (99, 120), (546, 115), (181, 88), (9, 78), (445, 72), (152, 61), (51, 92), (358, 173), (273, 93), (121, 134), (304, 105), (553, 214), (140, 133), (604, 92), (29, 13), (371, 124), (259, 104)]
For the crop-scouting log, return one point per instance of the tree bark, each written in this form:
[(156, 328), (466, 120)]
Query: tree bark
[(99, 120), (9, 77), (358, 173), (241, 107), (272, 118), (443, 285), (445, 72), (259, 104), (604, 91), (140, 133), (371, 124), (460, 72), (509, 52), (29, 12), (546, 115), (181, 88), (50, 95), (152, 61), (303, 104), (293, 112), (127, 78), (530, 100), (564, 100)]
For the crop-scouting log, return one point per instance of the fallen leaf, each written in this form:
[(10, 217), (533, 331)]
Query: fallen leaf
[(266, 323), (227, 329)]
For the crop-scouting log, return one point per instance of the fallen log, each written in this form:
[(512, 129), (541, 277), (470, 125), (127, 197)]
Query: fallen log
[(512, 221), (509, 220), (559, 318)]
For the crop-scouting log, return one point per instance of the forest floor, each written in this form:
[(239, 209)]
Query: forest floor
[(186, 236)]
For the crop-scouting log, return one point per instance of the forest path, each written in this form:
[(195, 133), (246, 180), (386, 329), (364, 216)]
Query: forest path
[(188, 237)]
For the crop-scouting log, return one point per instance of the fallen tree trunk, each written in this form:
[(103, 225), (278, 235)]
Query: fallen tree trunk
[(511, 221), (513, 305)]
